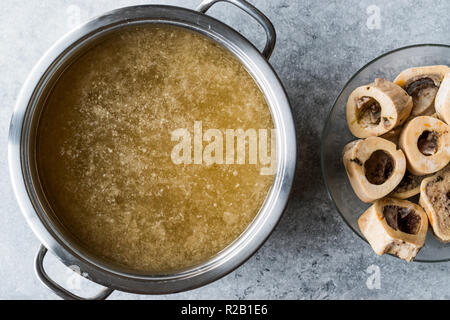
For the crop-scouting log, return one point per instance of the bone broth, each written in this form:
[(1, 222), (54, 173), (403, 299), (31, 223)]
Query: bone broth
[(105, 149)]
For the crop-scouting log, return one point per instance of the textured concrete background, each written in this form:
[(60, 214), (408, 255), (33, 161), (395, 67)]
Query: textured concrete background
[(312, 254)]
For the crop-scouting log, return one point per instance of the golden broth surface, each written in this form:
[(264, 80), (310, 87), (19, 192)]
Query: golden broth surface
[(104, 149)]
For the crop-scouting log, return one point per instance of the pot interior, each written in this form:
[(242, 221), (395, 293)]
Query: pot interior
[(96, 144)]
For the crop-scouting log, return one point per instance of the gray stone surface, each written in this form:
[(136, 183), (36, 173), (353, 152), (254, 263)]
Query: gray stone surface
[(312, 254)]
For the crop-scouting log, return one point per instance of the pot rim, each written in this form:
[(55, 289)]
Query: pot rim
[(240, 249)]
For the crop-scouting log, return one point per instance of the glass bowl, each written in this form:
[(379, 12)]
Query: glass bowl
[(336, 135)]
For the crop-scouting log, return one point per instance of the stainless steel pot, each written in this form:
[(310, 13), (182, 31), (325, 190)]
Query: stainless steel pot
[(22, 149)]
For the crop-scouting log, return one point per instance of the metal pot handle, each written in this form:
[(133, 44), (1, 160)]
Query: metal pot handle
[(255, 14), (56, 288)]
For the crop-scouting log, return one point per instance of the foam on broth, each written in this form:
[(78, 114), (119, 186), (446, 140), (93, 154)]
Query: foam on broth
[(104, 147)]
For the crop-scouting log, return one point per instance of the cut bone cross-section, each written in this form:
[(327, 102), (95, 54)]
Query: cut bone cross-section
[(374, 166), (425, 142), (442, 102), (374, 109), (435, 199), (422, 84), (395, 226)]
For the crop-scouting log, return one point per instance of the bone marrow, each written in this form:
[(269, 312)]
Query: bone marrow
[(374, 109), (428, 142), (395, 226), (425, 142), (442, 103), (422, 84), (408, 187), (369, 111), (401, 218), (435, 199), (374, 166)]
